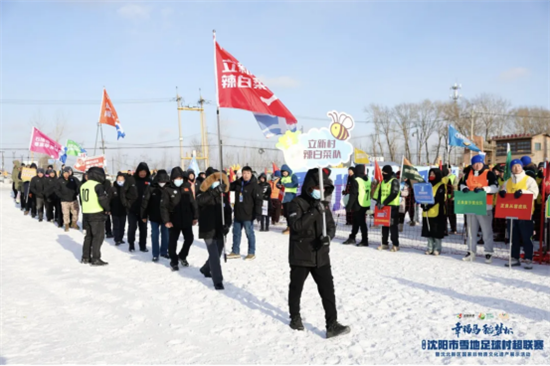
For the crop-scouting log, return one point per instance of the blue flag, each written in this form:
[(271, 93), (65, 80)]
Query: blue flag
[(458, 139), (273, 125), (194, 166)]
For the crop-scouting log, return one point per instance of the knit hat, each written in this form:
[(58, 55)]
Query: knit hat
[(526, 160), (478, 159), (67, 169), (40, 170), (387, 169), (541, 165), (49, 171), (516, 161)]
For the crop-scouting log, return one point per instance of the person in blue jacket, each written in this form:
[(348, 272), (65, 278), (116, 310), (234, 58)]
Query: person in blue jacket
[(290, 184)]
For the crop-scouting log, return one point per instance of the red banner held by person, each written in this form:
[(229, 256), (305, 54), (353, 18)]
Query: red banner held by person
[(517, 208), (382, 217)]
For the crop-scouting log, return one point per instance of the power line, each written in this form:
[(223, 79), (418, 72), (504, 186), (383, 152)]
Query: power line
[(83, 102)]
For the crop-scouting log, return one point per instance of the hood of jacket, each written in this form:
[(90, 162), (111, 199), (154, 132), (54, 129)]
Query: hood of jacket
[(286, 168), (177, 172), (17, 163), (438, 176), (359, 170), (96, 174), (142, 166), (312, 180), (161, 177), (213, 177), (262, 176)]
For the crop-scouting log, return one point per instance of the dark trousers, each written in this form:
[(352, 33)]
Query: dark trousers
[(285, 212), (213, 265), (133, 222), (119, 222), (22, 200), (108, 226), (14, 190), (58, 217), (359, 221), (93, 240), (40, 207), (275, 210), (522, 230), (264, 223), (49, 207), (173, 243), (325, 285), (451, 216), (393, 230)]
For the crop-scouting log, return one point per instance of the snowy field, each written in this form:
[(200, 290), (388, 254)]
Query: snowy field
[(56, 310)]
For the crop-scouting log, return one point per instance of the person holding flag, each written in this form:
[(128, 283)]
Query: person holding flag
[(388, 193), (519, 184), (478, 179)]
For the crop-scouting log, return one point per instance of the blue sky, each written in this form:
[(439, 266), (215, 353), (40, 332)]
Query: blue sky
[(316, 56)]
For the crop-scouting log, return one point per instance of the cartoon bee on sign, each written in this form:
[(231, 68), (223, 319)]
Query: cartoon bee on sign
[(341, 125)]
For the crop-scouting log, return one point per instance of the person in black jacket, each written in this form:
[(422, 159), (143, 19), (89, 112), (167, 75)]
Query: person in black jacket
[(354, 206), (50, 199), (266, 201), (309, 250), (211, 228), (119, 207), (434, 221), (108, 224), (179, 213), (387, 194), (37, 189), (67, 190), (95, 208), (345, 192), (248, 206), (150, 209), (137, 183)]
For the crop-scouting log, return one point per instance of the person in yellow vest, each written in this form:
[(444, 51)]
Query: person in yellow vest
[(358, 204), (520, 184), (434, 221), (95, 208), (449, 180), (290, 183), (478, 179), (387, 193)]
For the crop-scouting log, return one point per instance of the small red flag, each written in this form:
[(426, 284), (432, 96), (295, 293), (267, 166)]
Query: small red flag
[(377, 172)]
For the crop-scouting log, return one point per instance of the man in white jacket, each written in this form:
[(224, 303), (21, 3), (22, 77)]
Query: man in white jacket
[(520, 184), (478, 179)]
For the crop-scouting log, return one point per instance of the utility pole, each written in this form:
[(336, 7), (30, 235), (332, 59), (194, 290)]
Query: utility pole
[(204, 133), (455, 96)]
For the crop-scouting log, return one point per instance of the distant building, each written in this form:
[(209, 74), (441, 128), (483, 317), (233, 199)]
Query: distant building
[(535, 146)]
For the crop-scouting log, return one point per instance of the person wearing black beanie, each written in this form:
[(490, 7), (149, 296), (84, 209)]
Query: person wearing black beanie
[(388, 193)]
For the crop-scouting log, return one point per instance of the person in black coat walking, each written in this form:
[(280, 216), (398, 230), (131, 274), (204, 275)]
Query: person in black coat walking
[(265, 188), (179, 213), (248, 207), (51, 201), (108, 223), (68, 188), (211, 228), (38, 191), (119, 207), (309, 249), (140, 180), (150, 209)]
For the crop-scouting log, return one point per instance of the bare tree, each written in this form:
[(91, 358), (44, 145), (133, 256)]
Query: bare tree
[(404, 115), (382, 118), (428, 121), (531, 120), (492, 111)]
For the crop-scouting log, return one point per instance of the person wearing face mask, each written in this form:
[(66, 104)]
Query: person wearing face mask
[(478, 179), (387, 193), (119, 207), (138, 182), (192, 181), (434, 221), (50, 199), (266, 197), (211, 228), (309, 250), (248, 206), (358, 203), (518, 185), (179, 213), (150, 209)]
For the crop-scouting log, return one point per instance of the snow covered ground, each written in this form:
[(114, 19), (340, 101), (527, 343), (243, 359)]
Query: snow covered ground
[(56, 310)]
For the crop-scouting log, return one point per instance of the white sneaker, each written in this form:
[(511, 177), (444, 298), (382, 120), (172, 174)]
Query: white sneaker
[(436, 252), (528, 264), (428, 252), (394, 248), (470, 257), (383, 247), (488, 258), (515, 263)]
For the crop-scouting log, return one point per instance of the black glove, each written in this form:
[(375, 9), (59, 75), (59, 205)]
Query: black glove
[(518, 194), (325, 240), (424, 207), (379, 205), (466, 190), (259, 218), (280, 186), (225, 230), (318, 207), (477, 190), (220, 189), (502, 194)]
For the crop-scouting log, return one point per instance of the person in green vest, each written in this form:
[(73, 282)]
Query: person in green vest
[(289, 182), (95, 208), (358, 204), (387, 194), (434, 221)]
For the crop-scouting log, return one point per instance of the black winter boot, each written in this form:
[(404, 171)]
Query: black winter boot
[(349, 241), (296, 323), (335, 329)]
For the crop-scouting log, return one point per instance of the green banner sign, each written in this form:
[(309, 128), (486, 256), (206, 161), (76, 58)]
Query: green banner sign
[(471, 203)]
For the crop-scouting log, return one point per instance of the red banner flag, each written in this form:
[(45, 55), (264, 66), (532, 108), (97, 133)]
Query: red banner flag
[(40, 143), (265, 172), (275, 168), (240, 89), (108, 114), (231, 175), (517, 208), (377, 172)]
